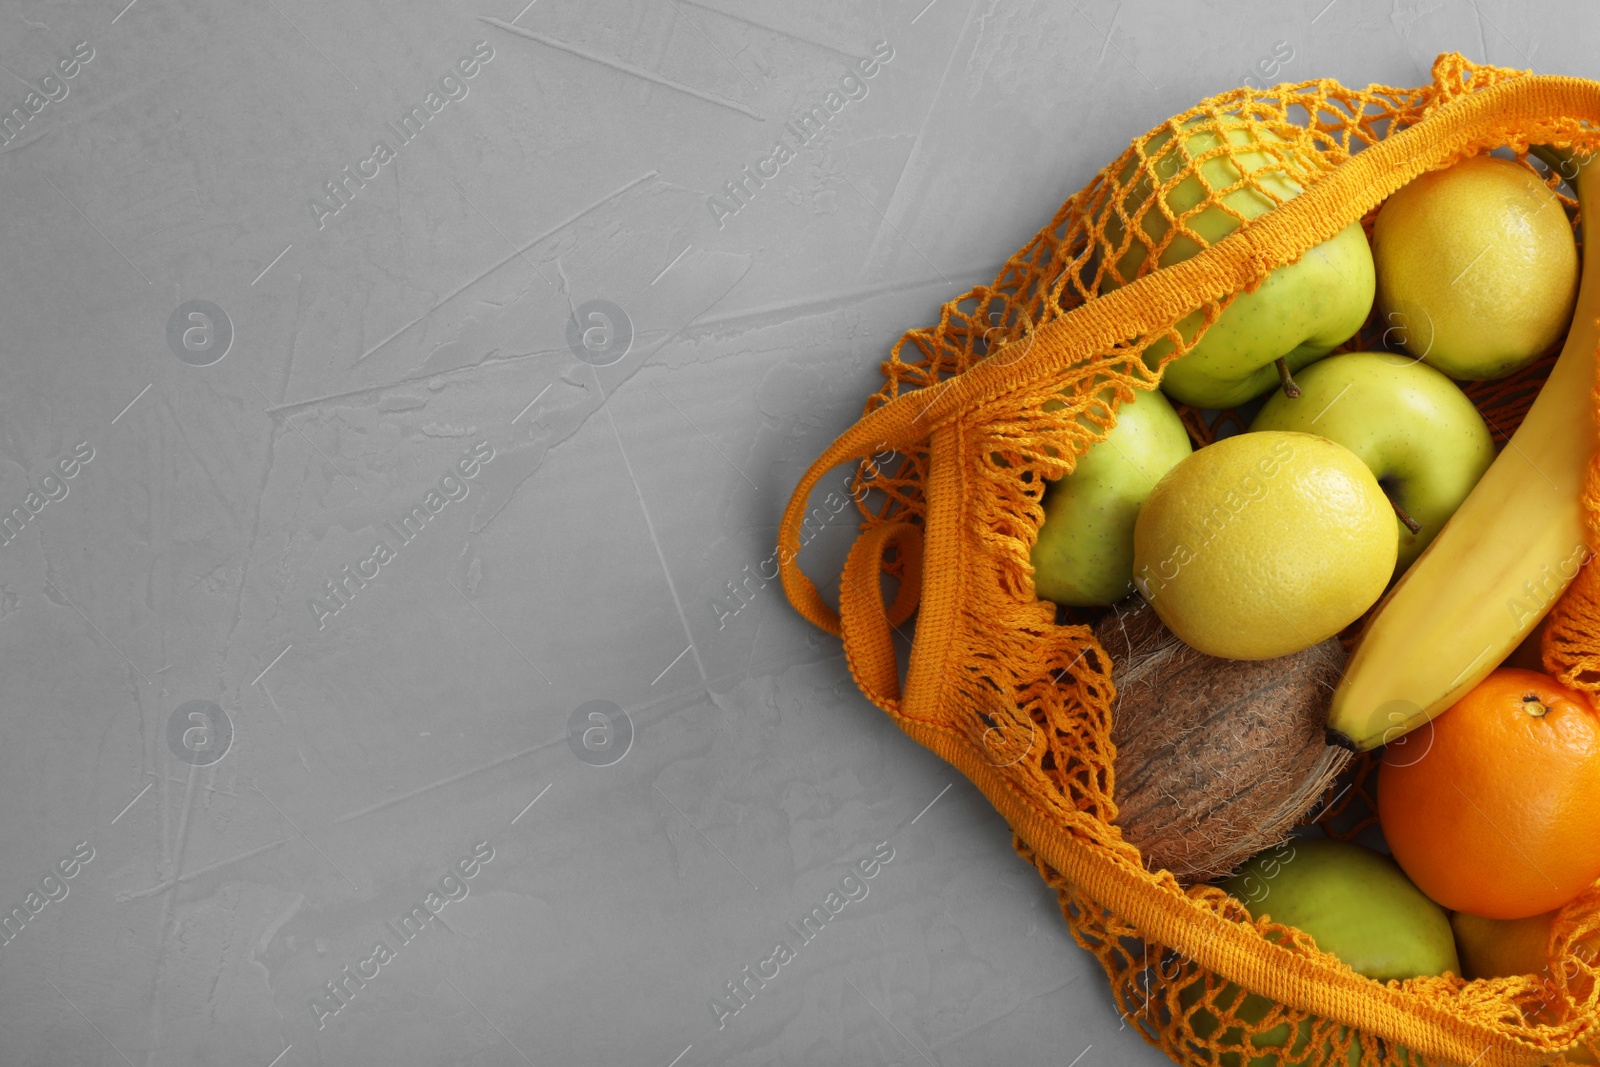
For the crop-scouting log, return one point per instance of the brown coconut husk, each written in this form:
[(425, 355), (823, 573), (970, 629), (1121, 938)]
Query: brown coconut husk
[(1216, 759)]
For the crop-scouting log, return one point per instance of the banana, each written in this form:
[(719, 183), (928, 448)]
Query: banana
[(1503, 559)]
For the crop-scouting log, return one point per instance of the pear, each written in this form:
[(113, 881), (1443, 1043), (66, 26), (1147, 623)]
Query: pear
[(1355, 903)]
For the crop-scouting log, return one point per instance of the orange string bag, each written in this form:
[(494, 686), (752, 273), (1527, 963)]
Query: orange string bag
[(1000, 397)]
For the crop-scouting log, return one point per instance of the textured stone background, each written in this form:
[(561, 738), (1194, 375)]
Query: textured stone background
[(365, 751)]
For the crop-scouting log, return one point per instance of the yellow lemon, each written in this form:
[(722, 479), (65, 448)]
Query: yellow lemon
[(1264, 544), (1492, 948), (1477, 268)]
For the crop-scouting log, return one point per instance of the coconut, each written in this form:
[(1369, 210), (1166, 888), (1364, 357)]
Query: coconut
[(1216, 759)]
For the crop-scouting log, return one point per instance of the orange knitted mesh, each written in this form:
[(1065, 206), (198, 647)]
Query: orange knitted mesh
[(1015, 381)]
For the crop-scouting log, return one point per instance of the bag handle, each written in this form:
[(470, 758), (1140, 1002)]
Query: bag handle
[(865, 622), (1282, 235)]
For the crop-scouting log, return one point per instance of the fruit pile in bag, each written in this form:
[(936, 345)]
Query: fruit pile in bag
[(1247, 522), (1361, 502)]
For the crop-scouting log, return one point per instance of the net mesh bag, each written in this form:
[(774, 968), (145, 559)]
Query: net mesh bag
[(980, 411)]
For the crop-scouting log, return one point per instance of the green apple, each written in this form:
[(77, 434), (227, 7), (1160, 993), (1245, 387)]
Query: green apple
[(1300, 313), (1423, 439), (1084, 554), (1354, 902)]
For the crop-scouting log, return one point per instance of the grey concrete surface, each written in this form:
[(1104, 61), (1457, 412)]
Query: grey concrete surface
[(265, 777)]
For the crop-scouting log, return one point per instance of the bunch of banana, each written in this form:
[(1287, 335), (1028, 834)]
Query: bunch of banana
[(1509, 552)]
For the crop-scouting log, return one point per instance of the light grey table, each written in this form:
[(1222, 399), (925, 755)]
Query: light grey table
[(263, 346)]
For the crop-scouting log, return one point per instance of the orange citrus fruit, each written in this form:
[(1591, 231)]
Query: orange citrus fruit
[(1497, 814)]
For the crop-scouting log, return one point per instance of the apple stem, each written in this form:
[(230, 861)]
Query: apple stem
[(1411, 524), (1290, 389)]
